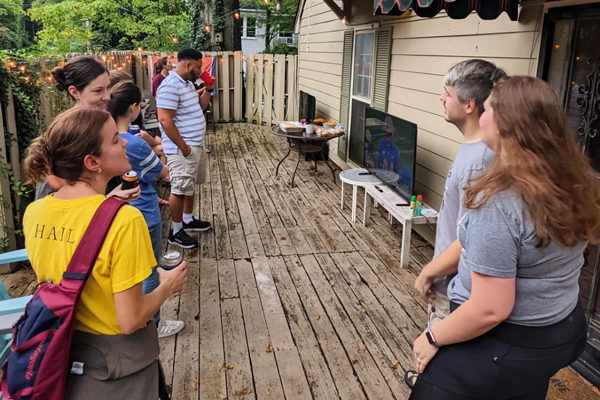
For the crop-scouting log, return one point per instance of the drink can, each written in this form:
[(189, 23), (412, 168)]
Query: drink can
[(130, 180), (171, 259), (134, 129)]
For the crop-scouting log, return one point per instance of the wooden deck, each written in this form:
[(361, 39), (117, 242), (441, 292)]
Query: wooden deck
[(286, 298)]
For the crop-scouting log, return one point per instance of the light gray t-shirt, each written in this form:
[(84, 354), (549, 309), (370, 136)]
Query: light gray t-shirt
[(499, 240), (42, 190), (471, 160)]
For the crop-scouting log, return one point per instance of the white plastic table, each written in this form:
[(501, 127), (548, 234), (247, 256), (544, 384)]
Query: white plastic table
[(361, 177)]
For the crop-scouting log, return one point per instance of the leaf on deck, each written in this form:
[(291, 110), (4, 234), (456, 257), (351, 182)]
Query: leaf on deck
[(395, 364), (243, 392)]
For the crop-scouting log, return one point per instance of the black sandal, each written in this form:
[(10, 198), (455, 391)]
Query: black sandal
[(411, 379)]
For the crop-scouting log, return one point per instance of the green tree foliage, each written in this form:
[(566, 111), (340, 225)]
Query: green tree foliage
[(12, 22), (274, 21), (96, 25)]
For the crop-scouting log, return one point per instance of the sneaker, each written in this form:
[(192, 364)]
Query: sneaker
[(168, 327), (197, 226), (182, 239)]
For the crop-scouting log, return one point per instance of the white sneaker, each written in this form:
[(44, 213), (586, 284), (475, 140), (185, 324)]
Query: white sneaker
[(168, 327)]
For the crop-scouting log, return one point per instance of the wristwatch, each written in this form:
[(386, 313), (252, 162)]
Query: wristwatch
[(431, 338)]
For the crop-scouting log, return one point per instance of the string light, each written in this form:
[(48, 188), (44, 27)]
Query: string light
[(27, 79), (104, 58), (140, 49), (344, 21), (236, 15), (557, 46), (207, 28), (174, 39), (266, 2), (49, 78), (23, 68)]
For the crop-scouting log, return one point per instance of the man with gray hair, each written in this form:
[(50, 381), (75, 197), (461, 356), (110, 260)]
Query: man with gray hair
[(466, 87)]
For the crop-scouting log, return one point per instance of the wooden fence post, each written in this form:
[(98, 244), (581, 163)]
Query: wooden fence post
[(250, 69), (268, 89), (259, 84), (15, 158), (238, 83), (6, 212), (292, 88), (226, 86), (279, 88)]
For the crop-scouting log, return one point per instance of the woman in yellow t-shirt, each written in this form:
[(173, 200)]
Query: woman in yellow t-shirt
[(82, 147)]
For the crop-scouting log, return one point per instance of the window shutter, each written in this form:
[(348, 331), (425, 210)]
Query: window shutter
[(383, 48), (345, 93)]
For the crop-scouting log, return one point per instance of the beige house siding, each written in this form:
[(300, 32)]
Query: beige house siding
[(422, 51)]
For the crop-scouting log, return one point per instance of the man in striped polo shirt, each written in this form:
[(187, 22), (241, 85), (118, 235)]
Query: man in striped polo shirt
[(182, 125)]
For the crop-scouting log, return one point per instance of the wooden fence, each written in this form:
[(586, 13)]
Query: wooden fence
[(260, 88)]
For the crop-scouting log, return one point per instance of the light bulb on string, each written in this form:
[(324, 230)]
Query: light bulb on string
[(207, 28), (236, 15), (140, 49), (23, 68), (266, 2), (27, 79), (174, 39)]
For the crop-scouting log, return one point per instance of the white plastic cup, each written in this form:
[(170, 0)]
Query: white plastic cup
[(310, 129)]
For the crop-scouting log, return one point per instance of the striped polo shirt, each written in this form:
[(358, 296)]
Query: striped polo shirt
[(175, 93)]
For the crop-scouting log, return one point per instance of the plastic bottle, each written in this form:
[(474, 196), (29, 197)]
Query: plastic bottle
[(419, 205), (413, 206)]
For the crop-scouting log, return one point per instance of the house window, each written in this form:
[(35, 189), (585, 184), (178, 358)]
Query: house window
[(363, 65), (251, 27)]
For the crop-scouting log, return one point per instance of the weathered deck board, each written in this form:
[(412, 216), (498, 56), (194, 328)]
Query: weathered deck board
[(299, 301)]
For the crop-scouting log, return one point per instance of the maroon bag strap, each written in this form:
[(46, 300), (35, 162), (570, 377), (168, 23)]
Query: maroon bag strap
[(87, 251)]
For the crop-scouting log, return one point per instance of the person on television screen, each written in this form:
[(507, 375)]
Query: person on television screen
[(466, 87), (388, 154)]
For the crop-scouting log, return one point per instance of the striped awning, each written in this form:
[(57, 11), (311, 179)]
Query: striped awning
[(456, 9)]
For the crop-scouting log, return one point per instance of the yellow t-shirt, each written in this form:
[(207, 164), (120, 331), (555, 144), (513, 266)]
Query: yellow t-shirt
[(53, 228)]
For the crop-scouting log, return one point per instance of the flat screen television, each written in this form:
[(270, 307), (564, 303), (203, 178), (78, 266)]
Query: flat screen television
[(308, 106), (390, 150)]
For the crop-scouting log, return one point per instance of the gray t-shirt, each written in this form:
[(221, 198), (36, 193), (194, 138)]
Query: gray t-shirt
[(42, 190), (499, 240), (471, 160)]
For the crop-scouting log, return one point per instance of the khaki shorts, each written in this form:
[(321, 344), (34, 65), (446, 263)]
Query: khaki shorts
[(439, 309), (187, 172)]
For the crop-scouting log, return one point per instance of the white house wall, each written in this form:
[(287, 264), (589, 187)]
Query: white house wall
[(422, 51)]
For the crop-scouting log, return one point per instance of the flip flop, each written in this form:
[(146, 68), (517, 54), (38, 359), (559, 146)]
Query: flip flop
[(410, 378)]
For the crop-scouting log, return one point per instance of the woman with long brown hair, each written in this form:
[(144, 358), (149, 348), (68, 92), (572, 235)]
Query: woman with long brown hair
[(515, 317), (161, 69)]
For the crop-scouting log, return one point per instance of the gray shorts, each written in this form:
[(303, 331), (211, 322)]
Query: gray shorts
[(438, 309), (187, 172)]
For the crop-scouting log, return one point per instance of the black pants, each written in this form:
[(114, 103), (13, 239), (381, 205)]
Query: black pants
[(510, 362)]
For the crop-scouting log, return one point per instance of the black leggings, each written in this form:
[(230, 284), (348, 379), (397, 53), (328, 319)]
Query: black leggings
[(426, 391), (510, 362)]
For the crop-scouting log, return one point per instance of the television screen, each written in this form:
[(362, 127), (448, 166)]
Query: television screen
[(390, 150), (308, 106)]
